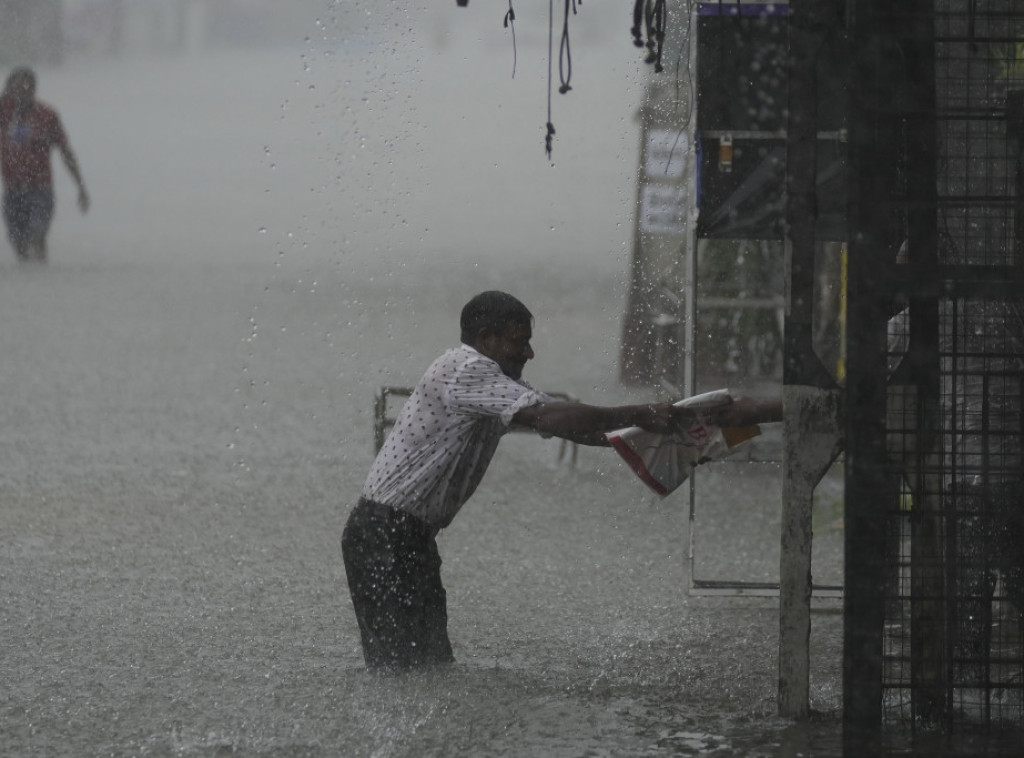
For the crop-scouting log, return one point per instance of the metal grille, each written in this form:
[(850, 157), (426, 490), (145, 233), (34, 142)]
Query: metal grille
[(955, 523), (979, 64), (953, 508)]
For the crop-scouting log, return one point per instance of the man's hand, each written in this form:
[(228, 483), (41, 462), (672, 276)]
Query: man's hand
[(666, 418), (83, 200)]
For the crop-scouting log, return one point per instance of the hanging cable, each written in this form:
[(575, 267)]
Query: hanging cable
[(510, 23), (650, 17), (660, 14), (684, 54), (564, 52), (564, 62), (649, 27), (638, 17), (551, 47)]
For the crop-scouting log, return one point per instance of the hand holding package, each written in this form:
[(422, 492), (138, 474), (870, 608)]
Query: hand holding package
[(664, 461)]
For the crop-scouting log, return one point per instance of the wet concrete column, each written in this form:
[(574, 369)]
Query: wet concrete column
[(812, 434)]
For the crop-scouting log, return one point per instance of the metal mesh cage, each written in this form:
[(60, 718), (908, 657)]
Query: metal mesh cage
[(979, 71), (955, 523), (935, 489), (952, 496)]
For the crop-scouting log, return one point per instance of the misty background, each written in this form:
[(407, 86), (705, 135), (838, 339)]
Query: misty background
[(288, 211), (379, 160), (396, 134), (367, 140)]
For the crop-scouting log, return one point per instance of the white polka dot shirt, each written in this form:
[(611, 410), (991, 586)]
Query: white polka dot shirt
[(445, 436)]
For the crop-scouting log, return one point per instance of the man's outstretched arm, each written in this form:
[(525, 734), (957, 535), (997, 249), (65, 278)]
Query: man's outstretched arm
[(587, 424)]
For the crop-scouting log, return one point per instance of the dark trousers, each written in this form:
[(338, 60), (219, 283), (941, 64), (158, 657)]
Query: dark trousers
[(28, 213), (394, 577)]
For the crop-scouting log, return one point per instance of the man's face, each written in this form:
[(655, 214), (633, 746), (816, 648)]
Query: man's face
[(510, 349)]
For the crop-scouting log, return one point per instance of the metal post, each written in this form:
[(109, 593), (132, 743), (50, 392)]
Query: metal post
[(875, 235), (928, 627)]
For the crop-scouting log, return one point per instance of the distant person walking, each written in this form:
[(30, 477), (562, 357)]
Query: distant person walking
[(29, 130)]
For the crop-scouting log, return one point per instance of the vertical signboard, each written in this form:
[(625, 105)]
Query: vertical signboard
[(655, 343)]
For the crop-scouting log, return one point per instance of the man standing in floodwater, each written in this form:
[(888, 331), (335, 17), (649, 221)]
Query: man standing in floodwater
[(29, 130), (436, 455)]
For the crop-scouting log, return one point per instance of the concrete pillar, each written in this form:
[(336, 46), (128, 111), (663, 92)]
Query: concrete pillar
[(812, 441)]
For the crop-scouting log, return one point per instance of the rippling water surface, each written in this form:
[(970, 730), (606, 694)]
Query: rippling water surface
[(174, 490)]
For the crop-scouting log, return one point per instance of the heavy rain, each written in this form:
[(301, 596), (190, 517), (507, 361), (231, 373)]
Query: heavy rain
[(290, 202)]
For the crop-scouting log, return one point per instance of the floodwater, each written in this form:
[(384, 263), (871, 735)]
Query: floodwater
[(188, 387)]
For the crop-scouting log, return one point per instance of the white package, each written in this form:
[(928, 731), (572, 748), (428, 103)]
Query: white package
[(664, 461)]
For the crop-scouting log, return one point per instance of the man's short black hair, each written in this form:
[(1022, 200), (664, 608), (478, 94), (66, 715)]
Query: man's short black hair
[(492, 310)]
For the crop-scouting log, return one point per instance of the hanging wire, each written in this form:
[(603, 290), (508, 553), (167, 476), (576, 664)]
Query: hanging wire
[(660, 13), (510, 23), (654, 18), (564, 52), (684, 55), (551, 46), (683, 59), (650, 17), (564, 62), (638, 17)]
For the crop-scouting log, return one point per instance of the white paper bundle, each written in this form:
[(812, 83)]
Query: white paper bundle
[(665, 461)]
